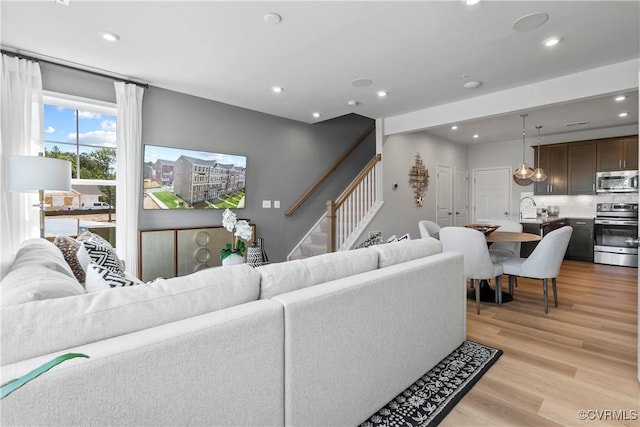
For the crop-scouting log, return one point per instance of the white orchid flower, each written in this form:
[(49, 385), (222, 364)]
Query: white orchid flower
[(229, 220), (243, 230)]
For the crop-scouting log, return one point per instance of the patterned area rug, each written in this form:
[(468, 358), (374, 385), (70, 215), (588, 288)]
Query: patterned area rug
[(427, 401)]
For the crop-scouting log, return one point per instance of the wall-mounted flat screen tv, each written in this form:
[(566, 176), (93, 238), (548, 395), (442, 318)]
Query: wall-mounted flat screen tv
[(178, 178)]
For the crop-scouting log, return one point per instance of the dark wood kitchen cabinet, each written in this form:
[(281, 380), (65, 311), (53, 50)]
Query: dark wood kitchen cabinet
[(582, 158), (581, 244), (619, 153), (553, 159)]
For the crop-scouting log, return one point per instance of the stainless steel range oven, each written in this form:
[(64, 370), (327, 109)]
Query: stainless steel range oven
[(615, 226)]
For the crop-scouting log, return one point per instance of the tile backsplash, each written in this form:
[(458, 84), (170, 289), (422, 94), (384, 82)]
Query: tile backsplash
[(580, 206)]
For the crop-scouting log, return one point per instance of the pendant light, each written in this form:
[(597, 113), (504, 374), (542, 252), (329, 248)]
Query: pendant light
[(538, 174), (524, 171)]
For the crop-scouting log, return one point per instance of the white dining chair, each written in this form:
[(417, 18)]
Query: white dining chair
[(428, 228), (503, 250), (477, 262), (543, 263)]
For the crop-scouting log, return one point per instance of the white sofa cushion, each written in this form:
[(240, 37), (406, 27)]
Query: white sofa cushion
[(41, 327), (41, 252), (38, 272), (279, 278), (34, 283), (406, 250)]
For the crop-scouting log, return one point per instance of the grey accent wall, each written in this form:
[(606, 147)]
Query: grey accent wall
[(284, 157), (399, 215)]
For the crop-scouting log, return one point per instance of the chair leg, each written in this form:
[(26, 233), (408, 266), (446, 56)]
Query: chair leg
[(499, 290), (512, 279), (477, 291), (555, 291), (545, 291)]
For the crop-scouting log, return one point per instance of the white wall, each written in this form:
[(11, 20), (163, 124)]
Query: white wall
[(399, 215)]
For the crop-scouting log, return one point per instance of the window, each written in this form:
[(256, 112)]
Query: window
[(82, 131)]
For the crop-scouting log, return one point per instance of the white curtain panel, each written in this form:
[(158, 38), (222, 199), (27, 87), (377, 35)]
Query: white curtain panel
[(129, 172), (21, 130)]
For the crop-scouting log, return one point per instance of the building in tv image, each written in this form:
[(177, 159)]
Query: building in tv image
[(176, 178)]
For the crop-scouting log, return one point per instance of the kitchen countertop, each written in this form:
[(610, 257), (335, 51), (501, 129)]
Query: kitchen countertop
[(547, 219)]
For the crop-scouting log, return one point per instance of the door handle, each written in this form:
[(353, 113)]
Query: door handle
[(632, 242), (450, 213)]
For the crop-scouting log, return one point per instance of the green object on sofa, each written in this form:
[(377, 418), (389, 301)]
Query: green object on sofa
[(13, 385)]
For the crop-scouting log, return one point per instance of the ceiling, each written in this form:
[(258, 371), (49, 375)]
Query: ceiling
[(417, 51)]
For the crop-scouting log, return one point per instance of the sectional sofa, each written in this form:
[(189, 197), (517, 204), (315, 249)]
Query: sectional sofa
[(326, 340)]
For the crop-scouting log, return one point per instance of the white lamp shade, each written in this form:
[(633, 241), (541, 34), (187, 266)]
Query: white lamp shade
[(33, 173)]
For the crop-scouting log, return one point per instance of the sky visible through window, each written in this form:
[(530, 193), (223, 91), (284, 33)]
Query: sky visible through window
[(94, 130)]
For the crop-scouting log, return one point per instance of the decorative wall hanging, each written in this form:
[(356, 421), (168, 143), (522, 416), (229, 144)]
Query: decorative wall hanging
[(418, 180)]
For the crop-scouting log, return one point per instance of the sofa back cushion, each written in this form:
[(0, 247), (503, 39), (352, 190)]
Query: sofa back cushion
[(406, 250), (42, 327), (279, 278), (38, 272)]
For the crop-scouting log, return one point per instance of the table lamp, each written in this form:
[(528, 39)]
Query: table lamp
[(29, 174)]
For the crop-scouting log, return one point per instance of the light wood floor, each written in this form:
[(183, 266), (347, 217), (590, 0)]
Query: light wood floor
[(580, 356)]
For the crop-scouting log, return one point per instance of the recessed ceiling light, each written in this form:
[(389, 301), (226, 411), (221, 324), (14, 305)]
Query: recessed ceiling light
[(272, 18), (625, 114), (353, 103), (382, 93), (360, 82), (551, 41), (476, 136), (472, 84), (472, 2), (454, 127), (109, 36), (620, 98), (316, 115), (277, 89), (530, 22)]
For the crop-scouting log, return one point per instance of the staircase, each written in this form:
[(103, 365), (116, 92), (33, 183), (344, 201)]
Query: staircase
[(347, 217)]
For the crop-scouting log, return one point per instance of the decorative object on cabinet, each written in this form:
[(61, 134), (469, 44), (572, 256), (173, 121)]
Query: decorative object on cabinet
[(524, 171), (241, 231), (418, 180), (538, 174), (177, 178), (256, 256)]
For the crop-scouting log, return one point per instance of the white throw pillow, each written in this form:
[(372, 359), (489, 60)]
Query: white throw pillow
[(99, 278)]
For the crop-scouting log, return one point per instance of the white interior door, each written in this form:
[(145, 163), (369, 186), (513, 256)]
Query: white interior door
[(460, 199), (491, 194), (444, 205)]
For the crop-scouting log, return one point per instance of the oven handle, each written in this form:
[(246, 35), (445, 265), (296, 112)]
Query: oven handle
[(615, 222), (633, 242)]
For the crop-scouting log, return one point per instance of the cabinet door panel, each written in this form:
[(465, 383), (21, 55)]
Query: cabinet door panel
[(157, 254), (631, 153), (558, 179), (582, 168), (610, 153)]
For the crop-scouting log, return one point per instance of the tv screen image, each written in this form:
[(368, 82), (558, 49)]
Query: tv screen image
[(178, 178)]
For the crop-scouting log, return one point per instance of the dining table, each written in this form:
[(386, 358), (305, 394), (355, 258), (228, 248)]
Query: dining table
[(487, 293)]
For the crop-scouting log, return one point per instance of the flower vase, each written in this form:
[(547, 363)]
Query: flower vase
[(233, 259)]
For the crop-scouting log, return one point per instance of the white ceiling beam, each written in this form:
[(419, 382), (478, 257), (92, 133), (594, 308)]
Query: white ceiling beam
[(619, 77)]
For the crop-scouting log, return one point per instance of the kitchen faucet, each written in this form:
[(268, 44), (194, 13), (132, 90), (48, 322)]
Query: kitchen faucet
[(526, 198)]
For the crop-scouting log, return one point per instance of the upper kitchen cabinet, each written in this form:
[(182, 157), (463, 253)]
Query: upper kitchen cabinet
[(619, 153), (582, 160), (553, 159)]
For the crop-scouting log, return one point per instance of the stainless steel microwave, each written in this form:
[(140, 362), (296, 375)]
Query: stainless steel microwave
[(617, 182)]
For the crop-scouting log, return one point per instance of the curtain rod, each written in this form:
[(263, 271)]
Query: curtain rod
[(95, 73)]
